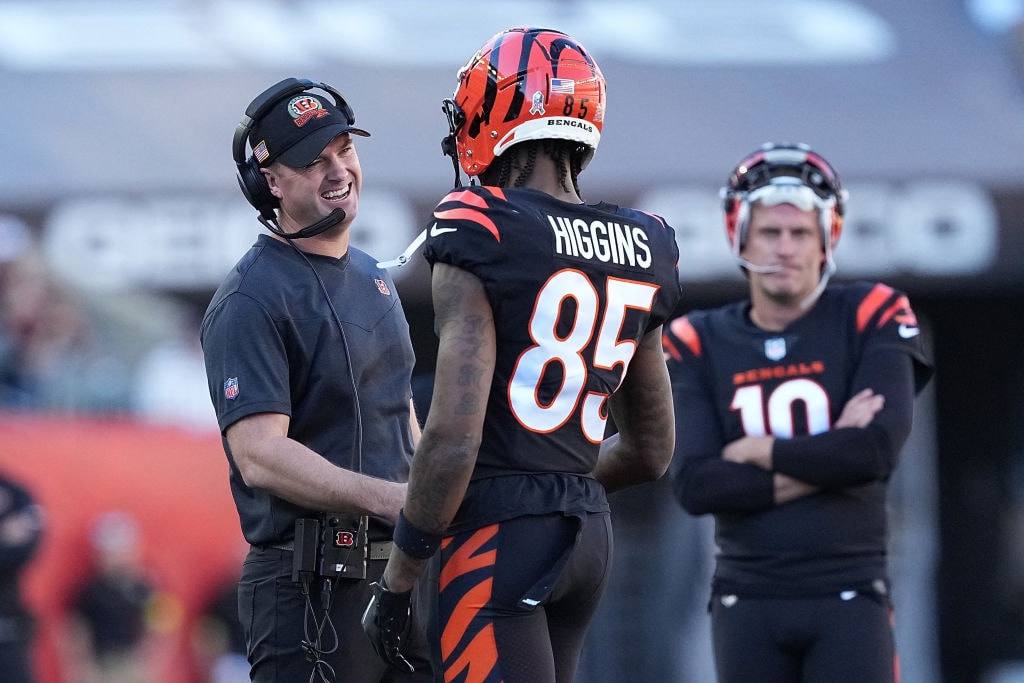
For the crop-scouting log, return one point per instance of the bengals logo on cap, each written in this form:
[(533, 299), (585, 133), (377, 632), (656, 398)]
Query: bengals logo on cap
[(306, 107)]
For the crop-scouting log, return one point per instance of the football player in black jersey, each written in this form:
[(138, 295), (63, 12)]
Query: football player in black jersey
[(792, 408), (549, 313)]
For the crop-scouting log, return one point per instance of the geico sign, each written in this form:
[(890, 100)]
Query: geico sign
[(186, 243), (929, 229)]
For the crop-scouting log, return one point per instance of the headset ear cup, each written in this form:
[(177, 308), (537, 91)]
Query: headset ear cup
[(255, 188)]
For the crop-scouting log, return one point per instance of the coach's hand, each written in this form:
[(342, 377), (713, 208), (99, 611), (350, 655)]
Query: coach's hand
[(384, 622)]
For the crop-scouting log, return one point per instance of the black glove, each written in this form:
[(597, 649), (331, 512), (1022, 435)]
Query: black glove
[(384, 622)]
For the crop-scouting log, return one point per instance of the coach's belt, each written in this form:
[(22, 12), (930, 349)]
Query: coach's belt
[(379, 550)]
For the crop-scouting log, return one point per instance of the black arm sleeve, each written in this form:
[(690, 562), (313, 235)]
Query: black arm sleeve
[(702, 481), (853, 456), (713, 485)]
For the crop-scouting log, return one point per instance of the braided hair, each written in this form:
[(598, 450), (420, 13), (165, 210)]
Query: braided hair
[(521, 159)]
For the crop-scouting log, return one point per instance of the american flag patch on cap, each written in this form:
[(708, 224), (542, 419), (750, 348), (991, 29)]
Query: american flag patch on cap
[(260, 152)]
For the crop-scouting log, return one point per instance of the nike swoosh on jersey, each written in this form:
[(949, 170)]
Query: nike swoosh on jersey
[(908, 332), (435, 231)]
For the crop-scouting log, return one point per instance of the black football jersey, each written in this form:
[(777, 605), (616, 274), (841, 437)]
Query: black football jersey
[(732, 379), (573, 287)]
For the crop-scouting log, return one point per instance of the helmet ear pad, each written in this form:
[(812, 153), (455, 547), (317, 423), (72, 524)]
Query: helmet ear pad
[(836, 228), (730, 209)]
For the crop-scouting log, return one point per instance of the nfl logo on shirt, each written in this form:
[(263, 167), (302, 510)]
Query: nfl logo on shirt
[(231, 388), (775, 348)]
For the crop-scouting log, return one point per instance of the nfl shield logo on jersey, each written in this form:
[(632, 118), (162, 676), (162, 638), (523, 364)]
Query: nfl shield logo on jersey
[(231, 388), (775, 348)]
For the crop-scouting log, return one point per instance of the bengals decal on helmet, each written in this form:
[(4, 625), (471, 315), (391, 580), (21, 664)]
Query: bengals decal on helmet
[(524, 84)]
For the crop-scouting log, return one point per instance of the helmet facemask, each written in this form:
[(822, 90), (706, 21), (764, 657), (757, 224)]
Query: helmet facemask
[(789, 190)]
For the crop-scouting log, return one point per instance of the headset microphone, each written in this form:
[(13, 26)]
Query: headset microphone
[(754, 268), (324, 224)]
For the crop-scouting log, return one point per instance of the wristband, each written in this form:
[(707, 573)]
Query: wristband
[(413, 541)]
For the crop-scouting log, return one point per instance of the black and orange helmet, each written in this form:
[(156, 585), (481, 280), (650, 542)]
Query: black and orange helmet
[(524, 84), (784, 173)]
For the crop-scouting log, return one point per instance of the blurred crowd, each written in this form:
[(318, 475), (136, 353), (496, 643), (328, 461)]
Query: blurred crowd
[(62, 351), (67, 352), (119, 622)]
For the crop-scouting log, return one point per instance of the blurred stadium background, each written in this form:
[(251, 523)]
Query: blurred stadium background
[(120, 213)]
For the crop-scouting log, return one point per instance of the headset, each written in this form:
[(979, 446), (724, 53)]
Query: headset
[(251, 179)]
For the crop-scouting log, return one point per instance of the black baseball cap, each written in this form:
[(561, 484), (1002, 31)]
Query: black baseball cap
[(296, 129)]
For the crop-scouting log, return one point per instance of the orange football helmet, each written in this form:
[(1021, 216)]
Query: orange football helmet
[(524, 84)]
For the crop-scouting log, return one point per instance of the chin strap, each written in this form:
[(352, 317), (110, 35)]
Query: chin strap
[(449, 148), (404, 257), (828, 272)]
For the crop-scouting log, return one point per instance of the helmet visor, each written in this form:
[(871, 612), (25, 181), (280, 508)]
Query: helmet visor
[(790, 190)]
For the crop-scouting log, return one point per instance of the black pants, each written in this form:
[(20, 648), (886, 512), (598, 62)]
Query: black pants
[(828, 639), (15, 662), (277, 618)]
